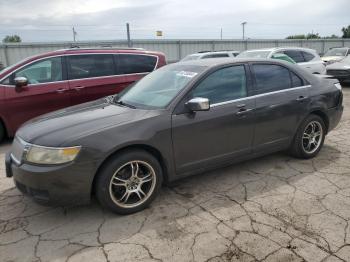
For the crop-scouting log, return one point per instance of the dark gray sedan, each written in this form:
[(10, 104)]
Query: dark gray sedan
[(182, 119)]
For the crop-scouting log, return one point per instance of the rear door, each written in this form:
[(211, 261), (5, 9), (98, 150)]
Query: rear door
[(281, 103), (209, 138), (92, 76), (47, 91), (313, 63), (134, 66)]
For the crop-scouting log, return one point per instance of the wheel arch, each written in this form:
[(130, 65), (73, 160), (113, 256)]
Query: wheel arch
[(149, 149), (323, 115)]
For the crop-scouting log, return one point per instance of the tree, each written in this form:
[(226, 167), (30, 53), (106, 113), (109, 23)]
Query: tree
[(308, 36), (346, 32), (313, 36), (12, 39), (330, 37), (296, 37)]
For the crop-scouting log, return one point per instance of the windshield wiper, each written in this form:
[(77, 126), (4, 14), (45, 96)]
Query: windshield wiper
[(120, 102)]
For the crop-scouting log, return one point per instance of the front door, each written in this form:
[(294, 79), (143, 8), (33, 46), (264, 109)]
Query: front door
[(208, 138), (46, 91)]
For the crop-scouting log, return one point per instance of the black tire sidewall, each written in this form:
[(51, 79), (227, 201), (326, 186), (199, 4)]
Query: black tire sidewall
[(298, 143), (107, 171)]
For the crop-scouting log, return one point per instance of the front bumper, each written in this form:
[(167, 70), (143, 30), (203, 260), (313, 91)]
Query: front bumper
[(341, 75), (66, 185)]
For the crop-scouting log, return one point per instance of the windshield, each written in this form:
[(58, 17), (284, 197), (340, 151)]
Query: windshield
[(159, 88), (254, 54), (190, 57), (336, 52)]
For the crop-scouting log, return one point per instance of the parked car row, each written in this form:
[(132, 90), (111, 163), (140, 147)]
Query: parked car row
[(335, 62)]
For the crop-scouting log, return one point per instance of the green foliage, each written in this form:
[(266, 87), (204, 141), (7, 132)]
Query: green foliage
[(12, 39), (308, 36), (346, 32), (296, 37)]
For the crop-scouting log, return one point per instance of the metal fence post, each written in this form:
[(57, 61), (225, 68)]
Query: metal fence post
[(6, 56), (179, 49)]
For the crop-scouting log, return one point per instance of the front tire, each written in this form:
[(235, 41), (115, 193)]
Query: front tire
[(309, 138), (129, 182)]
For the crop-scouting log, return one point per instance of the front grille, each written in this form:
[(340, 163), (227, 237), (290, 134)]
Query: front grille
[(17, 149), (338, 72)]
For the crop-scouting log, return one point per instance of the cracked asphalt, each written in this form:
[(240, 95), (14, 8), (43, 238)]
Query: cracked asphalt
[(274, 208)]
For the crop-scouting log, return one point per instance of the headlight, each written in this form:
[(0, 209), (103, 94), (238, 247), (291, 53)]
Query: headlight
[(51, 155)]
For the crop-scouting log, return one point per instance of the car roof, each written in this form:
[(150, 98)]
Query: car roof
[(280, 48), (212, 62)]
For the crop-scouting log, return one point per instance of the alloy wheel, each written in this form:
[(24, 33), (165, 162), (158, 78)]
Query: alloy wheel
[(132, 184), (312, 137)]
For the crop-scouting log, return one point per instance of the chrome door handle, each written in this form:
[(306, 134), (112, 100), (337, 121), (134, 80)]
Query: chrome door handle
[(60, 90), (301, 98), (78, 88), (243, 111)]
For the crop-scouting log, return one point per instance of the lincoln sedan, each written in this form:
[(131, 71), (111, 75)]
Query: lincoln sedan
[(180, 120)]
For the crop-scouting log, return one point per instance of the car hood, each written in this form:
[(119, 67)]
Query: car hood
[(54, 129), (332, 58), (339, 65)]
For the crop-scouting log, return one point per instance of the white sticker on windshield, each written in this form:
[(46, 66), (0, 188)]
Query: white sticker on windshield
[(186, 74)]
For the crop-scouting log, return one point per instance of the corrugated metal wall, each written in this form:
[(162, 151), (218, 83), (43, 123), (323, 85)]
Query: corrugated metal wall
[(173, 49)]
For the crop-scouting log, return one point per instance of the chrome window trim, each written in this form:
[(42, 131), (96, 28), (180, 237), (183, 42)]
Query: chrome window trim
[(259, 95), (65, 55)]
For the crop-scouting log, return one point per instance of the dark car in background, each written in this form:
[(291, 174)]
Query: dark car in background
[(182, 119), (63, 78)]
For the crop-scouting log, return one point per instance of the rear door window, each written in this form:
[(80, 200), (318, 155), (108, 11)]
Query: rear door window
[(270, 78), (308, 56), (295, 55), (87, 66), (135, 63), (296, 80)]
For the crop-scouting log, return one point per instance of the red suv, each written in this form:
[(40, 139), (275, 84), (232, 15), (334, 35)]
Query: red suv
[(62, 78)]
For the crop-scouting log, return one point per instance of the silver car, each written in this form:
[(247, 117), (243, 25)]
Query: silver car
[(210, 54), (340, 70), (304, 57)]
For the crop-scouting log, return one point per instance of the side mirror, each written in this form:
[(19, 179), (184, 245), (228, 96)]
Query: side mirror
[(198, 104), (20, 82)]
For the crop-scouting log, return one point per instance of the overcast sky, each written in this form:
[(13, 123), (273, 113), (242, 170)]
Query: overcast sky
[(52, 20)]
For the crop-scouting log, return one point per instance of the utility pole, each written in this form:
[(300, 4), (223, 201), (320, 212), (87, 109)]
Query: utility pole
[(74, 33), (243, 27), (221, 33), (128, 34)]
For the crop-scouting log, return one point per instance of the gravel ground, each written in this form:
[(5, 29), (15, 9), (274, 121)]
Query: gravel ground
[(274, 208)]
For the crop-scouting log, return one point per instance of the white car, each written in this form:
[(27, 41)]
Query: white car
[(335, 54), (304, 57), (210, 54)]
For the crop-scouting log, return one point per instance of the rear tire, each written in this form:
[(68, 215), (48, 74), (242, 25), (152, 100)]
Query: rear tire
[(309, 138), (129, 182)]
